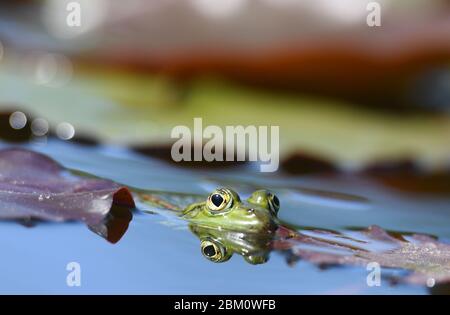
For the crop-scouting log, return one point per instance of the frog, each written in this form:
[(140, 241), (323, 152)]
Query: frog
[(224, 209), (224, 223)]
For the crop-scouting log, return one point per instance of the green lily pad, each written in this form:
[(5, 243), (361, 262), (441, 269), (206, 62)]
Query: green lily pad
[(140, 110)]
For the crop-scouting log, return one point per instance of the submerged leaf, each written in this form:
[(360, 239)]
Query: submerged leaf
[(33, 186)]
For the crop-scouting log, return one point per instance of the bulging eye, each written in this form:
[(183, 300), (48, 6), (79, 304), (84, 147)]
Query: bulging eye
[(213, 251), (265, 199), (219, 200), (274, 203)]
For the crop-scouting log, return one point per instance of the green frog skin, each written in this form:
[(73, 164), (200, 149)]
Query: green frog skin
[(227, 225), (220, 245), (224, 210)]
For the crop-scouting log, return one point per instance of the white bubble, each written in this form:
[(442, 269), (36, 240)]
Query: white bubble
[(39, 127), (219, 8), (70, 18), (51, 69), (17, 120), (431, 282), (65, 131)]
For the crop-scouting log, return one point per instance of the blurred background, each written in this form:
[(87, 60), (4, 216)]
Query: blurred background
[(363, 113), (348, 97)]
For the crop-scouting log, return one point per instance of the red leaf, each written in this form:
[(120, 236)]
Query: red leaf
[(33, 186)]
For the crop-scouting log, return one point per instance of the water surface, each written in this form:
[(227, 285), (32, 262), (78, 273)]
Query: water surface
[(158, 254)]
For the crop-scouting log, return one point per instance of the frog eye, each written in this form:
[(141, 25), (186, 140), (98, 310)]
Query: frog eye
[(213, 251), (265, 199), (274, 202), (219, 200)]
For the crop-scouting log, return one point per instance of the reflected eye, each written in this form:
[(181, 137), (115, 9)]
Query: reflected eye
[(274, 203), (212, 251), (219, 200)]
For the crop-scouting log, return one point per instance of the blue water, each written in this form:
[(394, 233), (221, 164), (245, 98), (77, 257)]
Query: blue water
[(159, 256)]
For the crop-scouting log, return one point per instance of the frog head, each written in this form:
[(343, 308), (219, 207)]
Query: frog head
[(224, 209)]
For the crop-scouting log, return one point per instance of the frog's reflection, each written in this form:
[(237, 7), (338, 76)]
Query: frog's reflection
[(226, 225), (218, 245), (114, 225)]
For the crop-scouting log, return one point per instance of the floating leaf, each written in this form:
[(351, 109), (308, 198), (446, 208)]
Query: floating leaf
[(33, 186), (427, 258), (340, 135)]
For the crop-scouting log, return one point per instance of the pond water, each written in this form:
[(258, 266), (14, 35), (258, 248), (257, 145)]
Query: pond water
[(158, 254)]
